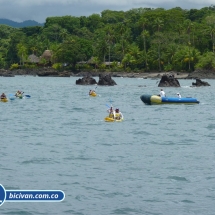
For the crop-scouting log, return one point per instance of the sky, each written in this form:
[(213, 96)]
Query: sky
[(39, 10)]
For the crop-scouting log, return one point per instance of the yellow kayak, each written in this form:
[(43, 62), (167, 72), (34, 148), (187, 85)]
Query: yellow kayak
[(108, 119), (93, 94), (4, 100)]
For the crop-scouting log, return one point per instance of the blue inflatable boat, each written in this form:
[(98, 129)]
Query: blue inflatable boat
[(157, 100)]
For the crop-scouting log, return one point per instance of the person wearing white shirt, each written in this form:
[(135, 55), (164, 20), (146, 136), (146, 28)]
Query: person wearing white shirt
[(178, 94), (162, 93)]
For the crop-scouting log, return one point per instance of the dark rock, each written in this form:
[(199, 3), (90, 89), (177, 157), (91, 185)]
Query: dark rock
[(168, 81), (64, 74), (86, 80), (6, 73), (200, 83), (47, 73), (52, 73), (26, 71), (202, 74), (106, 80)]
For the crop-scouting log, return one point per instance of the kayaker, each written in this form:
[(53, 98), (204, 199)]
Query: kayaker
[(118, 114), (162, 93), (178, 94), (111, 112), (19, 93), (91, 92), (3, 96)]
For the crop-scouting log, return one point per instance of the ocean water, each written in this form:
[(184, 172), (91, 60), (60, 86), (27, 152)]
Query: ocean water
[(159, 161)]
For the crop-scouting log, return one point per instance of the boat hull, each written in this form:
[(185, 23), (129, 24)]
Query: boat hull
[(93, 94), (157, 100), (4, 100), (108, 119)]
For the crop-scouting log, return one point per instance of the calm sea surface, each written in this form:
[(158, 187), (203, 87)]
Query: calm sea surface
[(159, 161)]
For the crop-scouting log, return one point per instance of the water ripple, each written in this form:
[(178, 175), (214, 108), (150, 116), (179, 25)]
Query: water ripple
[(158, 161)]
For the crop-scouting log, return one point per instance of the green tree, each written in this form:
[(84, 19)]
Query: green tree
[(206, 61), (12, 54), (210, 21), (22, 52), (128, 60), (53, 32), (110, 38), (145, 34)]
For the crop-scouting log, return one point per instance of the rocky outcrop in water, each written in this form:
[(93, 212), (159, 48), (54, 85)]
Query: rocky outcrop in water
[(168, 81), (86, 80), (200, 83), (106, 80)]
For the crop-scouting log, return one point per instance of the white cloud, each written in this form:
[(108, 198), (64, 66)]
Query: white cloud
[(39, 10)]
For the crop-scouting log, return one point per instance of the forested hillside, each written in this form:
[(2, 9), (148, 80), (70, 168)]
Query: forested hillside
[(26, 23), (142, 39)]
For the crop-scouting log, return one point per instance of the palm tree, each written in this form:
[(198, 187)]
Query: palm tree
[(159, 39), (210, 21), (211, 30), (22, 52), (189, 26), (170, 53), (121, 30), (96, 61), (64, 34), (143, 22), (33, 49), (54, 47), (101, 48), (110, 39), (135, 52), (158, 24), (144, 35), (128, 60)]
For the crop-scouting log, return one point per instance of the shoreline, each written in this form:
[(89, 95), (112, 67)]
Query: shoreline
[(49, 72)]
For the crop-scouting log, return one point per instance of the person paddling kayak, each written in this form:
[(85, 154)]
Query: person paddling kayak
[(3, 96), (118, 114), (19, 93), (111, 112), (91, 92)]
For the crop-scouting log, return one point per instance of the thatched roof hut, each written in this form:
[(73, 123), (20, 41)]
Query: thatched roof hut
[(33, 58), (47, 54)]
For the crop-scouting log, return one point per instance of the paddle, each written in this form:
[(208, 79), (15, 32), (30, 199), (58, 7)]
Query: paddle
[(27, 96), (107, 105)]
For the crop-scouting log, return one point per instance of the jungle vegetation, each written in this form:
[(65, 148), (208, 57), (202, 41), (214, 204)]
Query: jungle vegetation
[(139, 40)]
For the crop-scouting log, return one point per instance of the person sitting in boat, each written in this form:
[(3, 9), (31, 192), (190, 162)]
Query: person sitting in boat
[(111, 112), (91, 92), (3, 96), (162, 93), (178, 94), (18, 93), (118, 114)]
